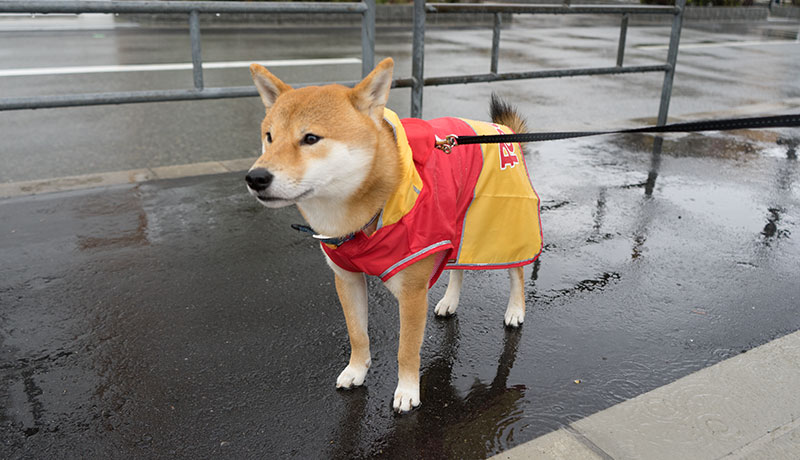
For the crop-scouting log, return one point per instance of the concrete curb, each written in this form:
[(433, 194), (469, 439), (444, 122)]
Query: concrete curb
[(131, 176), (744, 407)]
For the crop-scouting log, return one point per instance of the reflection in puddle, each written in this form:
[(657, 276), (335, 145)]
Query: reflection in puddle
[(121, 221), (449, 424), (781, 196), (791, 146)]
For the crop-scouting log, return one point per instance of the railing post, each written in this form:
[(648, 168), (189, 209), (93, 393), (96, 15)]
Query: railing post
[(368, 38), (672, 59), (197, 59), (418, 58), (495, 42), (623, 32)]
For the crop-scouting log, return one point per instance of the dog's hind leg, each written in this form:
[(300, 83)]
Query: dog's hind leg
[(515, 312), (352, 290), (447, 306)]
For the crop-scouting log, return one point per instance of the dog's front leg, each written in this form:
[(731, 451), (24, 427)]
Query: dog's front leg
[(411, 289), (352, 290)]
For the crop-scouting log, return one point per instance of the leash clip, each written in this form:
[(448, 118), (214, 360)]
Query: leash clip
[(446, 145)]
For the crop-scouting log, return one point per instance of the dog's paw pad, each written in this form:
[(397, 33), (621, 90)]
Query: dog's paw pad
[(351, 377), (446, 307), (514, 318), (405, 398)]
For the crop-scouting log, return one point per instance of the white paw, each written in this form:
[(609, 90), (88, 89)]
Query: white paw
[(352, 376), (447, 306), (406, 397), (515, 315)]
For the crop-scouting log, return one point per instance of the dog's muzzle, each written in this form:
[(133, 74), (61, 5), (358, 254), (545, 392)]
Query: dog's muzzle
[(258, 179)]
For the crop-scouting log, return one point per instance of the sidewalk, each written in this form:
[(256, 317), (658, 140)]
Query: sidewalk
[(746, 407)]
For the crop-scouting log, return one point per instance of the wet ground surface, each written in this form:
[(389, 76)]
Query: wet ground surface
[(179, 318)]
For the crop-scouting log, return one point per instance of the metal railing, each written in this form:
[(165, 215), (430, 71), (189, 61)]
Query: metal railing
[(193, 9), (418, 54), (366, 9)]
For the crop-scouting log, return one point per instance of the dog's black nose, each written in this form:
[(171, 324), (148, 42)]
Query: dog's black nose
[(258, 179)]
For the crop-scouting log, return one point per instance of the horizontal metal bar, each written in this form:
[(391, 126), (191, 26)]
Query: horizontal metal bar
[(547, 9), (487, 77), (403, 82), (105, 6), (131, 97), (126, 97)]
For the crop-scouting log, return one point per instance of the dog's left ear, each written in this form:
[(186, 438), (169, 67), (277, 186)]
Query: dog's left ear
[(371, 94)]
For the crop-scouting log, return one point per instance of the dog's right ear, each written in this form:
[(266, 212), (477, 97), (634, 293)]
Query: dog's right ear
[(269, 86), (371, 94)]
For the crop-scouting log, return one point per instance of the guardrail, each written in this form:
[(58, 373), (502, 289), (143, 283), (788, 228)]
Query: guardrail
[(418, 54), (366, 9)]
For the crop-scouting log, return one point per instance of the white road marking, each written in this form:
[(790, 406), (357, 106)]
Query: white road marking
[(718, 45), (170, 66)]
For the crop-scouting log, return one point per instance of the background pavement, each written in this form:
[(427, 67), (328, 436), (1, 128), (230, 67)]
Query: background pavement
[(721, 66), (178, 318), (728, 411)]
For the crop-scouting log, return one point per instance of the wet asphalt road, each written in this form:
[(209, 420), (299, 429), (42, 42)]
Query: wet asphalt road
[(179, 318)]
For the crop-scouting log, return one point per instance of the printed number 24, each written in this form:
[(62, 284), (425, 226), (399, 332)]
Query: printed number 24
[(507, 155)]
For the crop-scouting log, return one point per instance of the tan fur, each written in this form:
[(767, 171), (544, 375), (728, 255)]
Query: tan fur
[(504, 114), (517, 275), (513, 121), (515, 312), (331, 112), (354, 118), (411, 289), (352, 294)]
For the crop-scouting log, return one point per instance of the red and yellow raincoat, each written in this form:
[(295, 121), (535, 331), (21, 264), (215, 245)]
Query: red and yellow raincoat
[(474, 207)]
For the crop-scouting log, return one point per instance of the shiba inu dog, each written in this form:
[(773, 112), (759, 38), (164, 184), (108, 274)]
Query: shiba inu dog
[(384, 201)]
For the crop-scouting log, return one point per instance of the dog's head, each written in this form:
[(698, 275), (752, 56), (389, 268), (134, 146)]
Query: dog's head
[(317, 141)]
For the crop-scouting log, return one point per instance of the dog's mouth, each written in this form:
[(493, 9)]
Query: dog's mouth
[(269, 199), (276, 201)]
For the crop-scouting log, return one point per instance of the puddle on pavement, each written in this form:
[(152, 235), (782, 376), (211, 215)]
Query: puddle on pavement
[(220, 331)]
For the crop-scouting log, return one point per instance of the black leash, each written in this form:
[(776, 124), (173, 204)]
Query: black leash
[(447, 144), (777, 121)]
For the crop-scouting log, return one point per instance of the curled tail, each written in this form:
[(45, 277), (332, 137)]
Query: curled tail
[(504, 114)]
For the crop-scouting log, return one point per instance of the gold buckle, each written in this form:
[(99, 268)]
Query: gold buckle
[(446, 145)]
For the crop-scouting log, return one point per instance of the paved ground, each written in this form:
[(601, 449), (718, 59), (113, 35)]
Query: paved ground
[(726, 411), (178, 318)]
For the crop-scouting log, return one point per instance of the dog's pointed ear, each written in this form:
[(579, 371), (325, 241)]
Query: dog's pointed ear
[(371, 94), (269, 86)]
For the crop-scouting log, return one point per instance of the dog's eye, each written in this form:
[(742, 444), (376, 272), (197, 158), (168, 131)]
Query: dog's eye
[(269, 137), (310, 139)]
